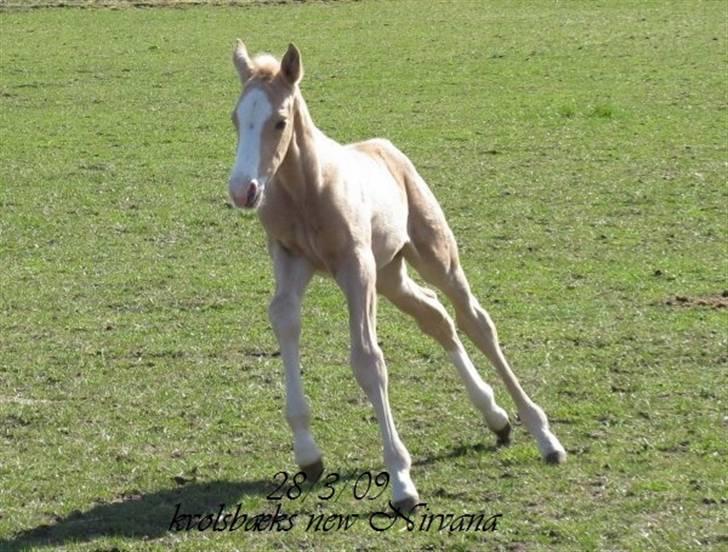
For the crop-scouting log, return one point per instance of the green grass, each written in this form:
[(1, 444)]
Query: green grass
[(579, 151)]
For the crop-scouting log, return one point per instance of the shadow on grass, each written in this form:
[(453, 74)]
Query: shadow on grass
[(462, 450), (138, 516), (150, 516)]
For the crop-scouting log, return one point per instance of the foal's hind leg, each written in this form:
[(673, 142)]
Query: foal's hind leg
[(476, 323), (432, 318), (440, 266)]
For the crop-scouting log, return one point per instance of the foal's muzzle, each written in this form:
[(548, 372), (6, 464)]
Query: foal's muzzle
[(245, 195)]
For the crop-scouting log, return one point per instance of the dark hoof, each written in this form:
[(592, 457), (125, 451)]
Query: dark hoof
[(406, 505), (555, 457), (313, 471), (504, 436)]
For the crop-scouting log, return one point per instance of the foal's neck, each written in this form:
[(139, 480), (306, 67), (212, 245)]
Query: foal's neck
[(300, 172)]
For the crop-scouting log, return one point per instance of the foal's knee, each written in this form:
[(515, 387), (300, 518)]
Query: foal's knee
[(284, 317), (369, 368)]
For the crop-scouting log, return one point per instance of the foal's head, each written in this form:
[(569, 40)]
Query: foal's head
[(263, 118)]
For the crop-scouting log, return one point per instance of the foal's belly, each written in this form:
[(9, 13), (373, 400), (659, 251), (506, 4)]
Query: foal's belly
[(386, 203), (389, 231)]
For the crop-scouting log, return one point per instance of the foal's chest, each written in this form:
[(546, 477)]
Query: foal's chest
[(301, 235)]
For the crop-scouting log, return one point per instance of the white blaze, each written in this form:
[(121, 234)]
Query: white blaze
[(252, 113)]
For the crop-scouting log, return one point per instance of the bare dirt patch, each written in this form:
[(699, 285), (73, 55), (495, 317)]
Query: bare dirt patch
[(114, 4), (719, 301)]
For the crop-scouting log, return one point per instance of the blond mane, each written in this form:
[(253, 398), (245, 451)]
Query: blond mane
[(265, 66)]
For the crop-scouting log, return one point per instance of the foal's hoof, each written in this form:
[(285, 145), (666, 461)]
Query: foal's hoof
[(504, 436), (313, 471), (406, 505), (555, 457)]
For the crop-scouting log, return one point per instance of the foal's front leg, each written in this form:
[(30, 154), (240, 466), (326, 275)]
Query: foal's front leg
[(292, 275), (357, 278)]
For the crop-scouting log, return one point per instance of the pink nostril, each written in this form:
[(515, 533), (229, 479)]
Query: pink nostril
[(244, 194), (252, 192)]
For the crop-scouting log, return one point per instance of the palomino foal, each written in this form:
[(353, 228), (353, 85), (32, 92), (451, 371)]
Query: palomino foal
[(357, 212)]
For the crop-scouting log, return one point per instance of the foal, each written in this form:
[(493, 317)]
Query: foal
[(357, 212)]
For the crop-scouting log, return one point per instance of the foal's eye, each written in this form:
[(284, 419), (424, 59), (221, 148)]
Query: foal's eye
[(280, 125)]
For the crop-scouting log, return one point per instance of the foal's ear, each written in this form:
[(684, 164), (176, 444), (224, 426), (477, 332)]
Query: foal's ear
[(242, 61), (291, 65)]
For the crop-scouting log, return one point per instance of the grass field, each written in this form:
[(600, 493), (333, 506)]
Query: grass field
[(579, 150)]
